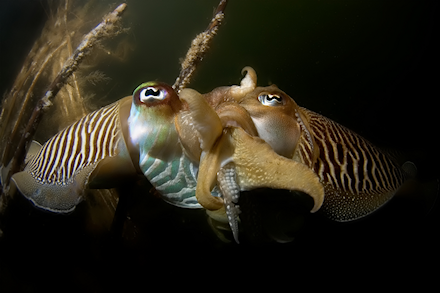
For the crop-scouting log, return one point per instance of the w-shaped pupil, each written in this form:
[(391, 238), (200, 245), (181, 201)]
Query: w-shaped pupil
[(152, 92), (273, 97)]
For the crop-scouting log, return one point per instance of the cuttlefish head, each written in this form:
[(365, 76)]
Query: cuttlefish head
[(151, 121), (245, 137), (272, 111), (266, 112)]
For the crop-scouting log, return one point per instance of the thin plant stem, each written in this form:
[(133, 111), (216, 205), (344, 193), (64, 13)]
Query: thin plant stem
[(199, 47)]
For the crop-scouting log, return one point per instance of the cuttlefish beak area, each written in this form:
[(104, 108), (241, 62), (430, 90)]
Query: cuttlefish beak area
[(219, 133)]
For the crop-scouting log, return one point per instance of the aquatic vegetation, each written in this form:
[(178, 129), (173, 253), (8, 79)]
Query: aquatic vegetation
[(96, 77)]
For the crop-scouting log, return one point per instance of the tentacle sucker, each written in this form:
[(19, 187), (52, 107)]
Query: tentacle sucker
[(227, 182)]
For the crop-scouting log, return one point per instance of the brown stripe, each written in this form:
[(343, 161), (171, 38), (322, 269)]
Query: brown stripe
[(83, 143), (349, 162)]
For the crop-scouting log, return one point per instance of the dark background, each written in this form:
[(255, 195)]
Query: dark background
[(370, 65)]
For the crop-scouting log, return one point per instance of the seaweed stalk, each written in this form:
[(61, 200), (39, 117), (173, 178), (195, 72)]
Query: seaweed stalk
[(199, 47)]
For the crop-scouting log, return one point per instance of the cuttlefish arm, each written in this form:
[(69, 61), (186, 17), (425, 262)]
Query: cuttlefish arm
[(239, 162), (257, 165), (200, 130), (202, 121)]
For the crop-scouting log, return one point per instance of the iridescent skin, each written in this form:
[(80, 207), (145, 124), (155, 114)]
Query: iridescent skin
[(161, 157)]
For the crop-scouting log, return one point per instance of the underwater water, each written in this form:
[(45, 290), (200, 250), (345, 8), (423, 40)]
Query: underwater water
[(367, 65)]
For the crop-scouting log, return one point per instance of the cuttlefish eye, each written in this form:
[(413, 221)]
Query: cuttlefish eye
[(270, 100), (153, 93)]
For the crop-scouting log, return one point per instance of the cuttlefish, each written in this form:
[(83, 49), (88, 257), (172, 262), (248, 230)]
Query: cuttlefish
[(111, 146), (259, 137), (203, 150)]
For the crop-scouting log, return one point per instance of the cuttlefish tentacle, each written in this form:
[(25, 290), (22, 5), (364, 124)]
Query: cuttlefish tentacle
[(230, 190)]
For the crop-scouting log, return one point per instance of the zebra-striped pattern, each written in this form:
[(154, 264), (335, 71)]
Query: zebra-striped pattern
[(306, 147), (349, 162), (81, 144), (357, 177)]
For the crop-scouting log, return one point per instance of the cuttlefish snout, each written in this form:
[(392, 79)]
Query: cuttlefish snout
[(228, 130)]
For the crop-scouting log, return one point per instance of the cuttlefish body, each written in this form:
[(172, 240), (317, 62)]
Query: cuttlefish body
[(111, 146), (277, 144)]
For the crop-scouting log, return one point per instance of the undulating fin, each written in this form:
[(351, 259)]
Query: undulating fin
[(58, 198), (54, 179), (358, 178)]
